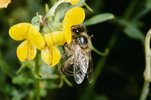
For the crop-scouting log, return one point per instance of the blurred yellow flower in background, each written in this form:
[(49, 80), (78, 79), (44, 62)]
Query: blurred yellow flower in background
[(32, 40), (73, 2), (4, 3)]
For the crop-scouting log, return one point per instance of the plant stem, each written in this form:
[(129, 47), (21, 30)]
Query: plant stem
[(37, 81), (87, 6), (147, 71), (145, 91), (130, 9), (100, 53), (37, 89)]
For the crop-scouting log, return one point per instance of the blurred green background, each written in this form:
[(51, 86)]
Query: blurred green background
[(118, 75)]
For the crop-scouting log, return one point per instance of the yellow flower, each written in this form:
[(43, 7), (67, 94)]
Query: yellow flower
[(48, 44), (32, 40), (4, 3), (51, 54), (73, 2)]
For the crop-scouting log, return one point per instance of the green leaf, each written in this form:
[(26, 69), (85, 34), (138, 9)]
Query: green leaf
[(99, 18), (22, 79), (36, 21), (133, 32), (61, 10)]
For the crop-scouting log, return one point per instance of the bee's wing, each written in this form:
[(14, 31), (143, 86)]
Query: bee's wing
[(79, 75), (90, 69), (80, 67)]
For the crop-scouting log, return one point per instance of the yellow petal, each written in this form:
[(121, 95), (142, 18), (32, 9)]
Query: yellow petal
[(58, 38), (56, 56), (46, 56), (26, 51), (35, 37), (19, 31), (48, 39), (51, 55), (67, 30), (55, 38), (76, 15), (4, 3)]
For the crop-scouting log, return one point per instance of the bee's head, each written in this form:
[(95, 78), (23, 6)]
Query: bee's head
[(78, 29)]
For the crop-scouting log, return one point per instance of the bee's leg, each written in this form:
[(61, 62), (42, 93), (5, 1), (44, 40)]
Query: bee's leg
[(66, 71), (64, 56), (67, 68)]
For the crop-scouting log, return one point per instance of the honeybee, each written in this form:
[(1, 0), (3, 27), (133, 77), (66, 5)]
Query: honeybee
[(78, 61)]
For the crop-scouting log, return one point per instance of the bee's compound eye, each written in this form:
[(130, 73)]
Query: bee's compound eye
[(82, 40), (77, 29)]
